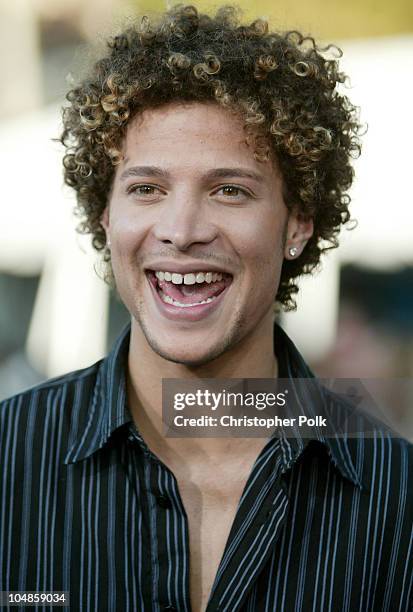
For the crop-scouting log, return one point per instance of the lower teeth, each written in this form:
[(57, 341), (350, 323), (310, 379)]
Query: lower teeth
[(169, 300)]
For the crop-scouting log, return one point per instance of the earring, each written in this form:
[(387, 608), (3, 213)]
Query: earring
[(293, 251)]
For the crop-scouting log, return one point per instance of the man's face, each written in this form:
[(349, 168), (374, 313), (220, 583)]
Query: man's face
[(190, 199)]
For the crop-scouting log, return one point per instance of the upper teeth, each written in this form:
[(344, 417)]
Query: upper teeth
[(189, 279)]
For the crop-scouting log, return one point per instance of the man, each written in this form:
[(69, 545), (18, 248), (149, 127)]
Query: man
[(211, 163)]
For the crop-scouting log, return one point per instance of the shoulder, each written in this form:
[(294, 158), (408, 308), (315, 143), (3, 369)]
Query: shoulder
[(380, 458), (387, 457), (52, 395), (37, 426), (387, 462)]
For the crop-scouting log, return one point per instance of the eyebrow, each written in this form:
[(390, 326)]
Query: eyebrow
[(216, 173), (144, 171), (237, 172)]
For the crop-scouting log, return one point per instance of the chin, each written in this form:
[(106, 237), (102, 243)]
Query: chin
[(190, 346), (186, 356), (196, 353)]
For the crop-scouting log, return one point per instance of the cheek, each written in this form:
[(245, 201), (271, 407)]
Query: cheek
[(127, 236), (262, 244)]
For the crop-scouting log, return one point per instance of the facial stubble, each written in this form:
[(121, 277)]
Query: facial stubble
[(237, 332)]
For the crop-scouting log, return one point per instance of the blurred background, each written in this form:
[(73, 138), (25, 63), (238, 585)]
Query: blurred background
[(355, 318)]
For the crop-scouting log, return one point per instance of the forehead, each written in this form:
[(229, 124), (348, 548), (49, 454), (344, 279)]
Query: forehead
[(190, 134), (186, 119)]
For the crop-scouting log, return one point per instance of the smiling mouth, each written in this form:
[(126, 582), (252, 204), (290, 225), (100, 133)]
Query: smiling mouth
[(192, 290)]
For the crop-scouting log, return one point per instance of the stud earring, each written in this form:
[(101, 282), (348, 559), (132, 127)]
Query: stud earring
[(293, 251)]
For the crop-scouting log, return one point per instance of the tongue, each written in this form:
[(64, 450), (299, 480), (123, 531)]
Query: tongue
[(190, 294)]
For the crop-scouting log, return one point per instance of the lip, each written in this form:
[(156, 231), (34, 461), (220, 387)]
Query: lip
[(186, 268), (191, 313)]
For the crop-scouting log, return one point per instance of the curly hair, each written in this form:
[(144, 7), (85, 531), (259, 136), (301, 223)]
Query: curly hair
[(282, 85)]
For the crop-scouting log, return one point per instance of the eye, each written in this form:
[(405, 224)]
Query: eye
[(144, 191), (232, 192)]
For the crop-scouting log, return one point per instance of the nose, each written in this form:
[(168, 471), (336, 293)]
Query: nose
[(184, 221)]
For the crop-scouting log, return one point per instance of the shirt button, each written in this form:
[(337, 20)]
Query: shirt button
[(164, 502)]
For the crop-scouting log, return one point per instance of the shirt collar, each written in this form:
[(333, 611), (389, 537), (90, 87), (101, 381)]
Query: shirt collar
[(315, 399), (108, 411)]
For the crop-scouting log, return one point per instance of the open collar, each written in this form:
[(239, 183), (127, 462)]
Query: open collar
[(314, 399), (107, 410)]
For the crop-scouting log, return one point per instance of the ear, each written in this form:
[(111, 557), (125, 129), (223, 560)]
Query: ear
[(299, 231)]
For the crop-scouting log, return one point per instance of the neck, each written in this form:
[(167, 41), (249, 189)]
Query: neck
[(252, 357)]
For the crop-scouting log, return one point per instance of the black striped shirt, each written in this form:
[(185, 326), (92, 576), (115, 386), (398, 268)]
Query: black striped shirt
[(85, 507)]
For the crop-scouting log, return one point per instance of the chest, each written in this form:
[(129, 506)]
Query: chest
[(210, 515)]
